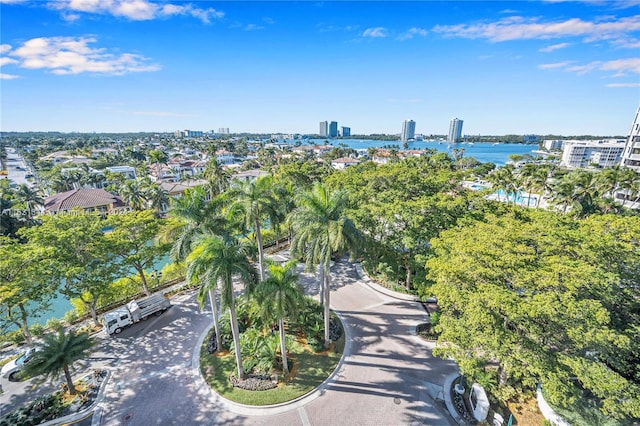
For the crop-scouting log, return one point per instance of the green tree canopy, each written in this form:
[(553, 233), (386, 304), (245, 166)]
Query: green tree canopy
[(535, 294)]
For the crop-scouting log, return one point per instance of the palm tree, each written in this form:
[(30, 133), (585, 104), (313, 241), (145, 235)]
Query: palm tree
[(284, 204), (216, 176), (320, 228), (30, 198), (254, 201), (562, 193), (280, 296), (158, 157), (155, 196), (586, 190), (196, 217), (627, 180), (57, 353), (218, 260), (504, 179), (133, 195)]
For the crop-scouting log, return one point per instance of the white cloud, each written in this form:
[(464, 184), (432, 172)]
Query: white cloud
[(135, 10), (4, 48), (614, 85), (412, 32), (4, 76), (555, 47), (253, 27), (7, 61), (519, 28), (376, 32), (11, 1), (621, 67), (555, 65), (69, 55)]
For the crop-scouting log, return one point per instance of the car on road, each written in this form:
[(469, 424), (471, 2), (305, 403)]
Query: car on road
[(13, 368)]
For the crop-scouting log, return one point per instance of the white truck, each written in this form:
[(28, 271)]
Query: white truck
[(134, 311)]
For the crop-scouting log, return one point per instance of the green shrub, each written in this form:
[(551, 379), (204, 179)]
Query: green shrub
[(172, 271), (69, 317), (37, 330), (55, 324), (15, 336)]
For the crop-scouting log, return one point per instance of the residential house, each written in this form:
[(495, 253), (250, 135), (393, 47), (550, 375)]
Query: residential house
[(88, 200)]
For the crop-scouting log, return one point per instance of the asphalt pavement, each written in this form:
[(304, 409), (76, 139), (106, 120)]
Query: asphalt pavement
[(387, 375)]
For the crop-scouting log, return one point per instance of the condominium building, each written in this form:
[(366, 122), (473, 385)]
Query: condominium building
[(345, 131), (595, 153), (333, 129), (408, 130), (552, 144), (324, 129), (631, 153), (455, 130)]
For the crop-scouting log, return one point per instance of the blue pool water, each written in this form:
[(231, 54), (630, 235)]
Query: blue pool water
[(519, 197)]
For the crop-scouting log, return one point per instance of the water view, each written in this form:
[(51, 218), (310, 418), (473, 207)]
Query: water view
[(497, 153)]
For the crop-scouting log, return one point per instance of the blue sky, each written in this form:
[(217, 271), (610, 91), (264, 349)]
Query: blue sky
[(559, 67)]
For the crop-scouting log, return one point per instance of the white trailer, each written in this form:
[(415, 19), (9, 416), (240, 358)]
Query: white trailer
[(134, 311)]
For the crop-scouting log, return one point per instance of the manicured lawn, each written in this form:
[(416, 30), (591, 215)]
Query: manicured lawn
[(309, 371)]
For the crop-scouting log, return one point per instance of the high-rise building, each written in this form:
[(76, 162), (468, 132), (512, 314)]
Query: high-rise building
[(345, 131), (333, 129), (584, 153), (324, 129), (408, 130), (455, 130), (631, 153)]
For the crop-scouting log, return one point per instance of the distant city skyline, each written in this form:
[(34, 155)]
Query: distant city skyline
[(549, 67)]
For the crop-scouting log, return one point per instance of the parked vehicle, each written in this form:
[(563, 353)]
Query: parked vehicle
[(134, 311), (12, 369)]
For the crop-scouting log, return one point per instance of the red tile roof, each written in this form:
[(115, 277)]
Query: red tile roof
[(83, 198)]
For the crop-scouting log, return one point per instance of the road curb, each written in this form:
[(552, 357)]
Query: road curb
[(75, 417), (446, 391), (267, 410), (365, 279)]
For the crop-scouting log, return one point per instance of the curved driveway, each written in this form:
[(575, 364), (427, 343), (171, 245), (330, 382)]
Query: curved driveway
[(387, 376)]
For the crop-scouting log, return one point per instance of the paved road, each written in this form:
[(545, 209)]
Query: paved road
[(17, 168), (387, 377)]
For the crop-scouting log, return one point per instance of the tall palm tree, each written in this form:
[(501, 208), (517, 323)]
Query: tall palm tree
[(280, 296), (586, 189), (216, 176), (284, 204), (254, 201), (627, 180), (196, 217), (155, 196), (217, 260), (321, 228), (504, 179), (562, 193), (133, 195), (158, 157), (30, 198), (57, 353)]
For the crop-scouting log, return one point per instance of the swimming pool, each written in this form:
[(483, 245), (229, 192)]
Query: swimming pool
[(519, 197)]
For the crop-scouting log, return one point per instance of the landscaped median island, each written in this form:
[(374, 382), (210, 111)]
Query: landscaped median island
[(310, 364), (59, 404)]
